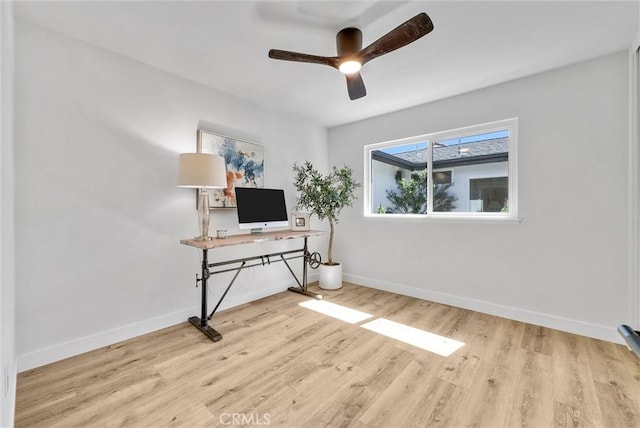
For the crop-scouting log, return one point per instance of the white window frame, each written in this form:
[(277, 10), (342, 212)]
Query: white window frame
[(510, 125)]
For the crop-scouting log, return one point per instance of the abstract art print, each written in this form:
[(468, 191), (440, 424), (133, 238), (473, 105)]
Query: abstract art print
[(244, 161)]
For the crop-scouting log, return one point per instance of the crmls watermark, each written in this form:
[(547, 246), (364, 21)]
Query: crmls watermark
[(245, 419)]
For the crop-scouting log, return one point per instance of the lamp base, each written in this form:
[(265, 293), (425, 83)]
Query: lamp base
[(203, 238), (203, 215)]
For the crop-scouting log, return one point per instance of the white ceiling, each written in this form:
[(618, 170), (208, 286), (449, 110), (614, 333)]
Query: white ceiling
[(224, 45)]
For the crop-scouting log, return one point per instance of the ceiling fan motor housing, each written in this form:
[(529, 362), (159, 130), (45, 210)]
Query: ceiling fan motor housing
[(349, 41)]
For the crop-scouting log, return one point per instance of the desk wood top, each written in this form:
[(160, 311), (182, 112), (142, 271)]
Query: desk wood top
[(250, 238)]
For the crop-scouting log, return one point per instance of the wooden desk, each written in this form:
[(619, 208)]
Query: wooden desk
[(208, 269)]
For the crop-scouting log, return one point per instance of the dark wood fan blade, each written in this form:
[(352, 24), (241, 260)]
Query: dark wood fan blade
[(355, 86), (418, 26), (301, 57)]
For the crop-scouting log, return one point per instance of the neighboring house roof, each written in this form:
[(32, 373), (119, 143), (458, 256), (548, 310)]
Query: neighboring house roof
[(486, 151)]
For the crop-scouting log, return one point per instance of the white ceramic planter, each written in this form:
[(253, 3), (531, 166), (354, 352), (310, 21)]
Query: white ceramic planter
[(330, 276)]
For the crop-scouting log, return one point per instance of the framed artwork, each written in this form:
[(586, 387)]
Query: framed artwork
[(244, 161)]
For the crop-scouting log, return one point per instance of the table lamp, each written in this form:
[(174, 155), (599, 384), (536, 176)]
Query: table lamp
[(202, 171)]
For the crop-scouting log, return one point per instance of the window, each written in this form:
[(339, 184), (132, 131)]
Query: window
[(441, 177), (489, 194), (473, 173)]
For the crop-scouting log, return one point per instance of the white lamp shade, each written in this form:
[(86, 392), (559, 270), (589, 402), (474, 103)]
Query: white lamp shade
[(201, 170)]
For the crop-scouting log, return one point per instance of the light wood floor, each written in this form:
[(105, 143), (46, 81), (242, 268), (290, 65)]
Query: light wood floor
[(280, 364)]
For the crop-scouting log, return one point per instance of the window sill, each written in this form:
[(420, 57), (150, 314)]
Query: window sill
[(446, 218)]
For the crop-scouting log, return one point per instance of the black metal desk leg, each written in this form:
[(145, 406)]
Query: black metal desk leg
[(305, 262), (201, 323)]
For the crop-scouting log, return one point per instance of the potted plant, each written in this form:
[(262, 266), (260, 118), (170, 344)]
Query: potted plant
[(325, 196)]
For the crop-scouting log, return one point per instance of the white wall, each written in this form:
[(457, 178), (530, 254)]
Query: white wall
[(7, 271), (634, 181), (565, 264), (98, 213)]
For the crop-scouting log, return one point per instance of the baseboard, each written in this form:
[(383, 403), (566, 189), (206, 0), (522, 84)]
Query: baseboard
[(81, 345), (84, 344), (537, 318)]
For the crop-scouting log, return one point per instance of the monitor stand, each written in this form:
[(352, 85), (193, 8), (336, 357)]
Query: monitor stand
[(257, 231)]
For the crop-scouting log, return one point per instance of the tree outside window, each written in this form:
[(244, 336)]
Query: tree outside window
[(411, 195)]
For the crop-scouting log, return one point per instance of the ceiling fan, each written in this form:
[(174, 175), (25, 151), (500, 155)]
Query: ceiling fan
[(351, 57)]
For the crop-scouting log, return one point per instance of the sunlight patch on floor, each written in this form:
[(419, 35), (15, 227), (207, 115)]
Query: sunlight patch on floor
[(333, 310), (413, 336)]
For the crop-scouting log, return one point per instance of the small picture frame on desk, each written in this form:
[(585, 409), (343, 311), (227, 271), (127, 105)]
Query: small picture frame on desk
[(300, 221)]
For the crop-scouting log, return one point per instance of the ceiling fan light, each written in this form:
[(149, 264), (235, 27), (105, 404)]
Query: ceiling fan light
[(350, 67)]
